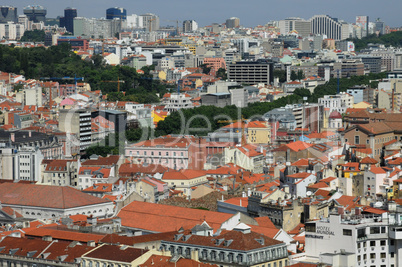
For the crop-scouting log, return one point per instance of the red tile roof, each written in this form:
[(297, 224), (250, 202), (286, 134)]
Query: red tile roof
[(294, 146), (377, 170), (368, 160), (240, 241), (102, 161), (58, 197), (164, 218), (183, 175), (165, 261), (238, 201), (116, 253)]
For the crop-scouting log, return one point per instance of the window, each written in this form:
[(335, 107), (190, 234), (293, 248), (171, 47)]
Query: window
[(374, 230), (357, 140), (347, 232), (361, 233), (372, 255), (383, 255), (383, 242), (372, 243), (310, 227), (367, 141), (383, 230)]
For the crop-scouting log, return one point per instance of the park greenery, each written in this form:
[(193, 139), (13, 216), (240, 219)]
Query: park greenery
[(60, 61), (202, 120), (33, 36), (392, 39), (197, 125)]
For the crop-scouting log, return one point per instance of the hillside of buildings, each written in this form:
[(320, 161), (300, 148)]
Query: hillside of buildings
[(391, 39), (172, 123)]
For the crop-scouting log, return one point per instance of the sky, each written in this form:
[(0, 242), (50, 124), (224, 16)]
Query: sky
[(205, 12)]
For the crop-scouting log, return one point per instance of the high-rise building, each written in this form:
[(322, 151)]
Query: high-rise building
[(325, 25), (379, 26), (11, 30), (298, 25), (150, 22), (8, 14), (362, 22), (251, 72), (68, 20), (233, 22), (116, 13), (79, 123), (96, 28), (190, 25), (35, 13)]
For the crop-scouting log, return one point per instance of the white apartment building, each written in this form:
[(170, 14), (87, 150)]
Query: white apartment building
[(357, 239), (339, 102), (178, 101), (11, 31)]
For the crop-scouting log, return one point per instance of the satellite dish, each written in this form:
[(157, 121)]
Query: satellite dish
[(309, 193)]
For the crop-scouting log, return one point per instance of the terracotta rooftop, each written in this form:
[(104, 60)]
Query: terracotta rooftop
[(116, 253), (102, 161), (165, 261), (238, 240), (164, 218), (59, 197)]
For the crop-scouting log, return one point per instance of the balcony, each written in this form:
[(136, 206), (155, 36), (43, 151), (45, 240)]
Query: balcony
[(395, 232)]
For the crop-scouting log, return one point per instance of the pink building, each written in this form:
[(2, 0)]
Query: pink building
[(215, 63), (174, 152), (67, 89)]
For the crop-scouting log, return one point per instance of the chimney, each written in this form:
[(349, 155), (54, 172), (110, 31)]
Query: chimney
[(341, 210), (358, 211), (194, 255), (47, 238), (91, 243), (12, 136)]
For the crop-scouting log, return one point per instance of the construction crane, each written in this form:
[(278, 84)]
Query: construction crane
[(339, 74), (118, 83), (243, 124), (75, 78), (150, 24), (177, 26)]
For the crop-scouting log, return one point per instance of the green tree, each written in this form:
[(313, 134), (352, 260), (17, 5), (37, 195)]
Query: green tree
[(221, 73), (33, 36), (281, 74), (293, 76), (300, 75), (205, 68)]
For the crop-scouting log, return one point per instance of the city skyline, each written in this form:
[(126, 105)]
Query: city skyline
[(208, 11)]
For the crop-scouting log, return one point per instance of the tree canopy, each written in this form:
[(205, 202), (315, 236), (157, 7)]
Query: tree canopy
[(60, 61), (391, 39)]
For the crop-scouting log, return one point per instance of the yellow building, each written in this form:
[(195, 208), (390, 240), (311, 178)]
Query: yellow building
[(351, 169), (173, 41), (162, 75), (191, 47), (158, 116), (184, 180), (257, 132)]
